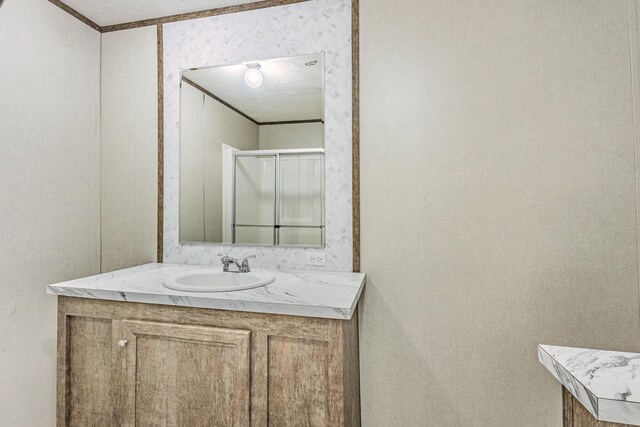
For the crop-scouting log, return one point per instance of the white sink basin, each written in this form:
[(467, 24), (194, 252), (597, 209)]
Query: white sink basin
[(218, 281)]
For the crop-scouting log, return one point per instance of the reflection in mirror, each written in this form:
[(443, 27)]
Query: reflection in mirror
[(252, 153)]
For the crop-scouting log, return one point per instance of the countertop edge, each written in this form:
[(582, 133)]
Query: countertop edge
[(356, 300), (568, 381), (602, 409), (288, 309)]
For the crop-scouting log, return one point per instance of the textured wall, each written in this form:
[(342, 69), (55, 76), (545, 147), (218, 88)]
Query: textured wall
[(49, 192), (129, 148), (301, 28), (498, 203), (299, 135)]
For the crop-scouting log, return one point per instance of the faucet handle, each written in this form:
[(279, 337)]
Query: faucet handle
[(245, 264), (226, 260)]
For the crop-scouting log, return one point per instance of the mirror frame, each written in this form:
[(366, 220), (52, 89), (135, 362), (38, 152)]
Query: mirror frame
[(355, 148)]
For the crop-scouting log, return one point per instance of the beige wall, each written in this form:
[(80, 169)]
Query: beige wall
[(191, 164), (129, 148), (206, 124), (222, 126), (298, 135), (498, 203), (49, 192)]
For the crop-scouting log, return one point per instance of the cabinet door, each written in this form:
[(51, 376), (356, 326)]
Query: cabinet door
[(181, 375), (84, 372), (298, 384)]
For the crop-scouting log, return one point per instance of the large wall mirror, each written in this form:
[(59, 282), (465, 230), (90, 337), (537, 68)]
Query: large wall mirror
[(252, 153)]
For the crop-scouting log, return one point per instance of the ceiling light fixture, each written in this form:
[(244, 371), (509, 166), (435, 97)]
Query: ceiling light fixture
[(253, 76)]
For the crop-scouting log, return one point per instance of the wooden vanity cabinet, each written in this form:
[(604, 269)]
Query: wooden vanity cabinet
[(130, 364)]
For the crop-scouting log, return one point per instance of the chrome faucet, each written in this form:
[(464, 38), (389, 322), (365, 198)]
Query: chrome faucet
[(243, 267)]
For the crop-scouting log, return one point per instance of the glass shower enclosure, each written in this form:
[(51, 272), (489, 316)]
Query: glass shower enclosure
[(278, 197)]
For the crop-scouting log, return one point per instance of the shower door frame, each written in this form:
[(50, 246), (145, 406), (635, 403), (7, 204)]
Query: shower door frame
[(276, 207)]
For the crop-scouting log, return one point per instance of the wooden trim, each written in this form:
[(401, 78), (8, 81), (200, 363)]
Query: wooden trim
[(567, 408), (160, 218), (220, 100), (336, 375), (62, 373), (355, 145), (260, 379), (291, 122), (118, 366), (352, 371), (200, 14), (243, 114), (77, 15)]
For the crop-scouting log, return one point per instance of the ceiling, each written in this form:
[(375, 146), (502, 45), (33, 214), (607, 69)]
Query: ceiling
[(292, 88), (112, 12)]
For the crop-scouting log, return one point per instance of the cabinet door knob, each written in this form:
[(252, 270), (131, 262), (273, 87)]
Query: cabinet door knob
[(122, 343)]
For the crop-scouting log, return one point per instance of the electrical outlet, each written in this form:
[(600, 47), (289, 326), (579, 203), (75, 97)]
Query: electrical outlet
[(316, 258)]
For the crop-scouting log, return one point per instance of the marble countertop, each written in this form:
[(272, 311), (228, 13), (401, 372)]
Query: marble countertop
[(297, 293), (607, 383)]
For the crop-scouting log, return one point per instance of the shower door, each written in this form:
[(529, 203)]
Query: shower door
[(279, 198), (255, 200), (300, 215)]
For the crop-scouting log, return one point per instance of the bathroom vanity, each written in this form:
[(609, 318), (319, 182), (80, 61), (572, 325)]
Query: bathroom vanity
[(599, 388), (134, 352)]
